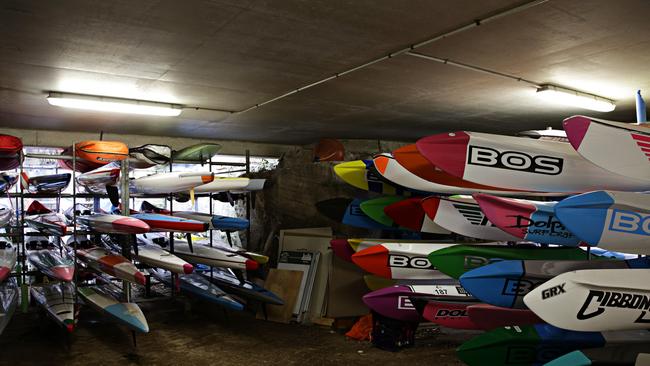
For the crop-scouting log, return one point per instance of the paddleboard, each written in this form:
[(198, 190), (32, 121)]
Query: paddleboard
[(528, 220), (536, 344), (196, 154), (594, 300), (212, 256), (102, 300), (409, 213), (505, 283), (520, 163), (395, 302), (608, 219), (458, 259), (52, 264), (58, 300), (226, 280), (361, 174), (462, 215), (488, 317), (399, 260), (111, 263), (9, 296), (199, 286), (592, 137)]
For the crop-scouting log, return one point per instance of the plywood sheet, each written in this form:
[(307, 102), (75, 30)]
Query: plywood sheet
[(286, 284)]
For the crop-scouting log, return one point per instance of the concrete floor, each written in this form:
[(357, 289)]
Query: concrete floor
[(207, 336)]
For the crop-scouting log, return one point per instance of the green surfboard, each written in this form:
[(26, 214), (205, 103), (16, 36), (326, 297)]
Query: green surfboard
[(374, 209), (196, 154), (456, 260)]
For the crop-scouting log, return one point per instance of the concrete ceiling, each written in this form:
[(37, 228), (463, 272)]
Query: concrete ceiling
[(231, 55)]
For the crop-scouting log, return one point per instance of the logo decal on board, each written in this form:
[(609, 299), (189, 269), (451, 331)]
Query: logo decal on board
[(614, 299), (402, 261), (553, 291), (629, 222), (472, 213), (643, 142), (514, 160), (549, 227)]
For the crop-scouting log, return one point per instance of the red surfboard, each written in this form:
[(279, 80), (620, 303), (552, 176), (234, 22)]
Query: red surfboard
[(488, 317), (410, 214), (449, 314)]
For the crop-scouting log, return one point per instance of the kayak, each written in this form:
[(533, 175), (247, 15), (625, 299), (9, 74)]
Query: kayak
[(113, 224), (7, 180), (363, 175), (222, 184), (101, 152), (520, 163), (458, 259), (54, 183), (215, 222), (259, 258), (462, 215), (537, 344), (608, 219), (52, 264), (172, 182), (58, 301), (6, 214), (158, 222), (155, 256), (149, 155), (629, 158), (488, 317), (226, 279), (79, 165), (505, 283), (199, 286), (95, 181), (111, 263), (10, 149), (8, 257), (594, 300), (395, 301), (528, 220), (196, 154), (399, 260), (42, 219), (212, 256), (102, 299), (9, 296), (409, 213)]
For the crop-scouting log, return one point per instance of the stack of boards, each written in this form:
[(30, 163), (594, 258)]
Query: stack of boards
[(554, 229)]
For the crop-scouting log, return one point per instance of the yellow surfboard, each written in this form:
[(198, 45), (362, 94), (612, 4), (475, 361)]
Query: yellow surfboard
[(355, 174)]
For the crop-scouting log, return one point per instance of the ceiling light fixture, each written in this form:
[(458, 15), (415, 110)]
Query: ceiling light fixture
[(110, 104), (557, 94)]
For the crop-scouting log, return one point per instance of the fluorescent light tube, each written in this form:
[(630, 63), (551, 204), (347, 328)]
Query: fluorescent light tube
[(575, 98), (110, 104)]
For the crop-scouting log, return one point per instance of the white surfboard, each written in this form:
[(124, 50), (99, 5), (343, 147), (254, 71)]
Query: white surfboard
[(221, 184), (462, 215), (520, 163), (170, 182), (621, 148), (594, 300)]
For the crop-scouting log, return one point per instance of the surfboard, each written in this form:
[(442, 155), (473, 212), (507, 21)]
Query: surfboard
[(462, 215), (390, 169), (408, 213), (199, 286), (196, 154), (608, 219), (527, 220), (594, 300), (458, 259), (592, 137), (52, 264), (171, 182), (536, 344), (624, 354), (505, 283), (488, 317), (395, 301), (520, 163), (102, 300), (361, 174), (58, 301), (374, 208), (399, 260)]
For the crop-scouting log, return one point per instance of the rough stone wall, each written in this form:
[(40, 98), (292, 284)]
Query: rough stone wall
[(289, 199)]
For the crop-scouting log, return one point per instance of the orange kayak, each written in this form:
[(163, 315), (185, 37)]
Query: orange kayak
[(102, 152), (410, 158)]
